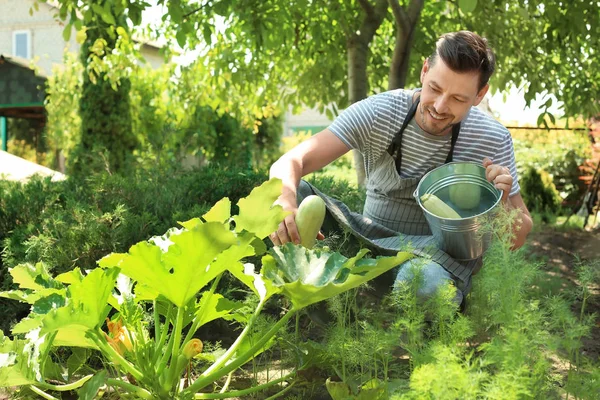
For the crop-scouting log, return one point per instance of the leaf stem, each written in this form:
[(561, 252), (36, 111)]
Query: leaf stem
[(200, 315), (163, 361), (118, 359), (40, 392), (244, 392), (66, 387), (216, 372), (172, 375), (163, 336), (231, 351), (156, 321), (141, 392)]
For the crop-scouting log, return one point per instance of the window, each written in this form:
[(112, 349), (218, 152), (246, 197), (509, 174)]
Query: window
[(22, 44)]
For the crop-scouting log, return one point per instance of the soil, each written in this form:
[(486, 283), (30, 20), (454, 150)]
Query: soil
[(560, 253)]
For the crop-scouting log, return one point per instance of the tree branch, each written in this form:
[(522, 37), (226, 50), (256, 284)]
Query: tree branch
[(367, 7), (400, 15), (189, 14), (414, 10)]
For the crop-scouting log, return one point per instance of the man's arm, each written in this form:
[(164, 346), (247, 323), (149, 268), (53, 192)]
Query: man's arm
[(501, 178), (309, 156), (524, 222)]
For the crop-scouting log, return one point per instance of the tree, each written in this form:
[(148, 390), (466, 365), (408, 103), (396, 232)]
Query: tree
[(107, 140), (331, 53), (543, 47)]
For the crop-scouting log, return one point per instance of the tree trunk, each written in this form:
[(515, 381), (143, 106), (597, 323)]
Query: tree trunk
[(406, 23), (400, 60), (358, 57), (358, 87)]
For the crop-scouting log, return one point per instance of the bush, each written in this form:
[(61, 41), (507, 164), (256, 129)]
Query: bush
[(76, 222), (560, 153), (539, 193)]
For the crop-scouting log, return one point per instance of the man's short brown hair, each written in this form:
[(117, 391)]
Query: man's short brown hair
[(465, 51)]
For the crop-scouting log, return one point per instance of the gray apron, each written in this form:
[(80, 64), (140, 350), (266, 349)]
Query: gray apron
[(392, 220)]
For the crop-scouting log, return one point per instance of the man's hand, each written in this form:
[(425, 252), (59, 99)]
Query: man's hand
[(288, 230), (500, 176)]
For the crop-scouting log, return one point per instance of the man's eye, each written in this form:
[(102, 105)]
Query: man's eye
[(434, 89), (460, 100)]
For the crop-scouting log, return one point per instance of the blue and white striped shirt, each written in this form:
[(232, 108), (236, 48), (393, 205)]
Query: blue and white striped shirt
[(370, 125)]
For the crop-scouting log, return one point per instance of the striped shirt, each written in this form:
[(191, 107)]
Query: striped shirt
[(370, 125)]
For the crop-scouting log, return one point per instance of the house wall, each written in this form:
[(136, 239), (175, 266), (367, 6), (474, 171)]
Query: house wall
[(309, 119), (47, 43)]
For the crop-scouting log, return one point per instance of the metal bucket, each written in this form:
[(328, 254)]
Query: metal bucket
[(463, 238)]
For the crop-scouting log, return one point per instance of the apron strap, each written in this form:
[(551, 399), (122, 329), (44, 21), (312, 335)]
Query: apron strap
[(395, 147), (455, 132)]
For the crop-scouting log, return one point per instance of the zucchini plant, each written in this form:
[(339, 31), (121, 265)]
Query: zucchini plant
[(176, 276)]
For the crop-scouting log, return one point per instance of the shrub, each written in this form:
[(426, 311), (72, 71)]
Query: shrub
[(76, 222), (560, 153), (539, 192)]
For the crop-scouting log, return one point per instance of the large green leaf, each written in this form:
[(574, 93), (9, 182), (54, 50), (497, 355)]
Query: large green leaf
[(85, 309), (257, 212), (20, 359), (31, 297), (309, 276), (70, 277), (42, 306), (263, 288), (91, 387), (35, 277), (211, 307), (185, 267), (220, 212), (231, 259)]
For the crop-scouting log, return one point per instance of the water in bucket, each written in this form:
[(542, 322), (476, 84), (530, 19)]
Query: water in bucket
[(477, 200)]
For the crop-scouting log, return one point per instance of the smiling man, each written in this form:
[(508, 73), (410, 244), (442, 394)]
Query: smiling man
[(402, 135)]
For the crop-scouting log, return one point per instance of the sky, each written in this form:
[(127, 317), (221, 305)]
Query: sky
[(513, 110)]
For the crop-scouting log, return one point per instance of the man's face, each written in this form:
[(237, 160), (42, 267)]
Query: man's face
[(446, 97)]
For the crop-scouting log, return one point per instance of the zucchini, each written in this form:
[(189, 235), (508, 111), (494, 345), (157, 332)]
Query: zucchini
[(437, 207), (309, 219)]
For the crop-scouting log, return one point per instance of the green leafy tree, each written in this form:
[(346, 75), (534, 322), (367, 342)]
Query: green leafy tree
[(106, 126), (331, 53)]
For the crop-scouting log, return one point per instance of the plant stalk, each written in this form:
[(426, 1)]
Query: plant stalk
[(138, 391), (244, 392), (116, 357), (163, 336), (195, 324), (173, 367), (65, 388), (41, 393), (231, 351), (208, 377)]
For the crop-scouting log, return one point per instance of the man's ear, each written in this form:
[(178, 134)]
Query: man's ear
[(424, 69), (481, 94)]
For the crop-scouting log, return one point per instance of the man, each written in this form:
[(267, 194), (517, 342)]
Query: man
[(402, 135)]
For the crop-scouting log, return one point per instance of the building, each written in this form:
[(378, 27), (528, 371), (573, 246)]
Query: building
[(31, 45), (38, 35)]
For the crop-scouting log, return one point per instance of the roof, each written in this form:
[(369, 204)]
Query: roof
[(15, 168), (21, 62)]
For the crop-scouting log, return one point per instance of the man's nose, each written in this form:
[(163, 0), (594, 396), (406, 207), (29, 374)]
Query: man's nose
[(441, 105)]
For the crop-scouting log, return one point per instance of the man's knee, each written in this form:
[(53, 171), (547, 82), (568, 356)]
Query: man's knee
[(428, 276)]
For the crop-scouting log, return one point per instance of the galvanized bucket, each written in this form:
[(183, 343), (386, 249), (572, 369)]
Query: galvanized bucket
[(463, 186)]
